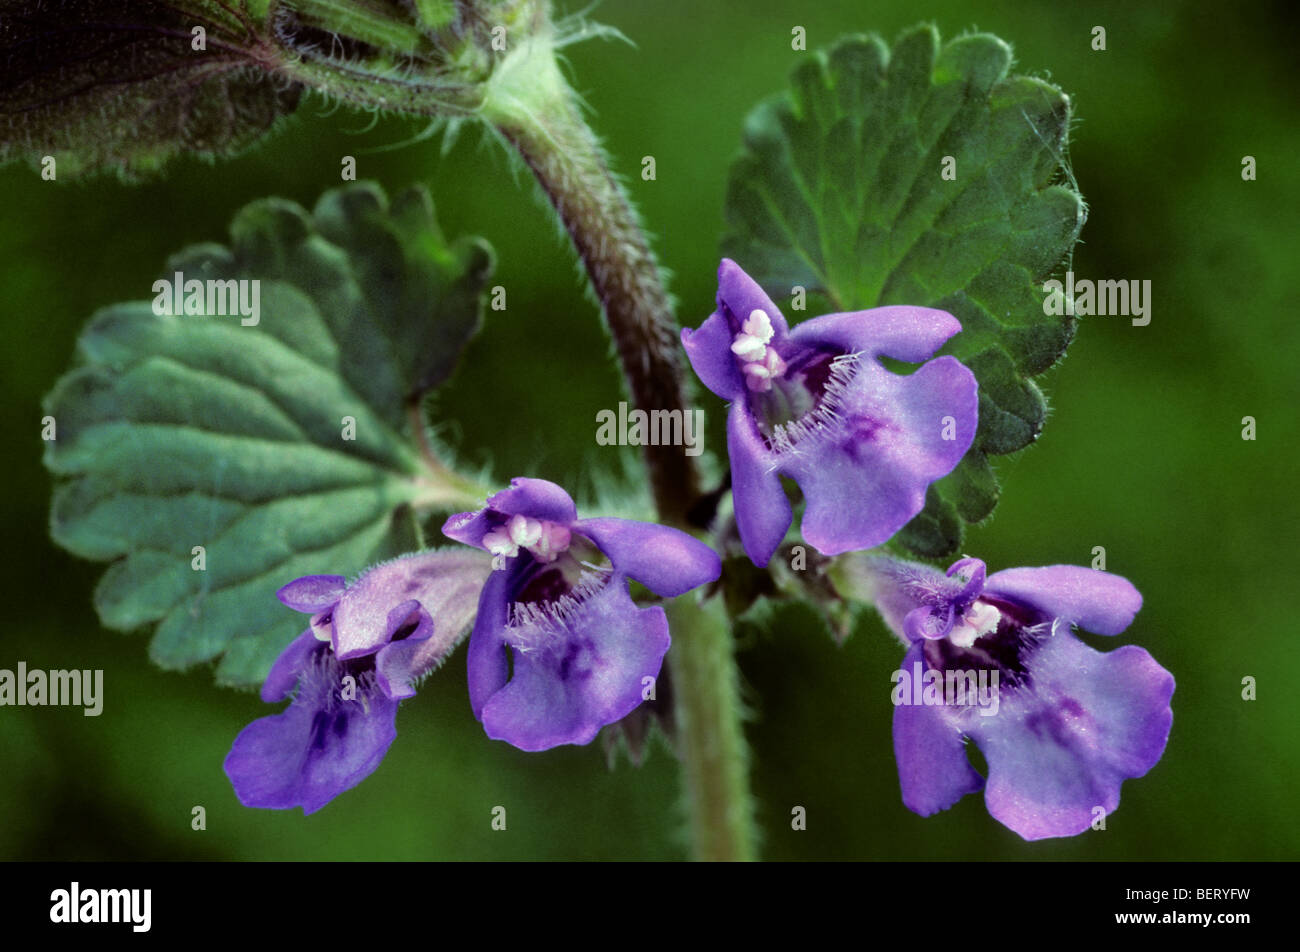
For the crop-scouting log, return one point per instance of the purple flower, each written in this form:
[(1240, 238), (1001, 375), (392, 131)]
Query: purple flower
[(816, 405), (1066, 725), (559, 649), (365, 647)]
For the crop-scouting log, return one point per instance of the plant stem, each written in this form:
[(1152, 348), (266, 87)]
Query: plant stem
[(533, 109), (711, 740), (441, 487), (567, 160)]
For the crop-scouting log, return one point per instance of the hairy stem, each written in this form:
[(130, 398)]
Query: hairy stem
[(563, 153), (533, 109), (714, 754)]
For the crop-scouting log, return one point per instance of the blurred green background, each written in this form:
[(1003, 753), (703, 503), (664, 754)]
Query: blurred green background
[(1143, 455)]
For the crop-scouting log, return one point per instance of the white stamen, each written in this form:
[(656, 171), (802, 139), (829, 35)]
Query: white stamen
[(759, 325), (554, 540), (983, 617), (498, 542), (545, 540), (980, 619), (760, 381), (962, 635), (759, 361), (748, 347), (524, 531)]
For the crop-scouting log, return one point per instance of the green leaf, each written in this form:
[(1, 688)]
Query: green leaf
[(119, 83), (201, 430), (839, 190)]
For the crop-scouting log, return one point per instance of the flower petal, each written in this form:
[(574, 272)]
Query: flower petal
[(666, 561), (974, 571), (933, 771), (449, 607), (312, 752), (708, 348), (928, 622), (284, 673), (901, 332), (865, 477), (741, 295), (312, 593), (536, 498), (762, 510), (393, 670), (488, 664), (1094, 600), (589, 675), (361, 619), (1060, 749), (470, 527)]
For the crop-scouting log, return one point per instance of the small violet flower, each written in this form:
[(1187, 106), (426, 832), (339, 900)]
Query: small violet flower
[(815, 404), (1068, 724), (559, 649), (365, 647)]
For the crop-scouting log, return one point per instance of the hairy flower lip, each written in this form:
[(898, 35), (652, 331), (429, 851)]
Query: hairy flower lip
[(322, 744)]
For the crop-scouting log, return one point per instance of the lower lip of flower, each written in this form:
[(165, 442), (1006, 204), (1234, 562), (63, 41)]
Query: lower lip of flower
[(537, 624), (805, 403), (549, 594)]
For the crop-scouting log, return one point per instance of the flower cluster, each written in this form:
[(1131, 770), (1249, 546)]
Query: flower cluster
[(582, 652), (558, 648)]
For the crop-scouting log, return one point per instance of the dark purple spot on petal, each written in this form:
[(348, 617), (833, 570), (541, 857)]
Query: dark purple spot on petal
[(570, 667), (320, 723)]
